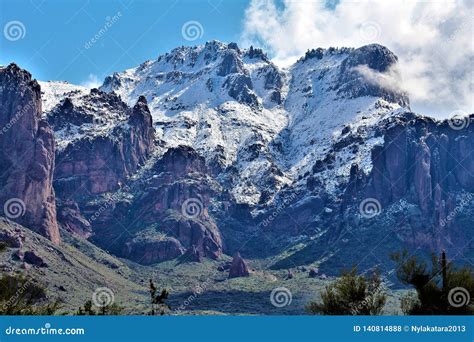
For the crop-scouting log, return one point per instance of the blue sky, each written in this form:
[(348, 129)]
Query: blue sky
[(434, 40), (56, 32)]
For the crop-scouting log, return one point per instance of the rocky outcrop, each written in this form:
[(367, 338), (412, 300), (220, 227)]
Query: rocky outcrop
[(240, 88), (34, 259), (13, 238), (192, 255), (173, 198), (100, 162), (26, 155), (361, 71), (71, 218), (425, 163), (231, 64), (148, 250), (421, 159), (238, 268)]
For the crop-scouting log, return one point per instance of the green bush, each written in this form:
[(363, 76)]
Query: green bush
[(351, 294), (440, 290)]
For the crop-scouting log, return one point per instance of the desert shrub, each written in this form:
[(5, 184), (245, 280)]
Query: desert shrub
[(441, 289), (351, 294)]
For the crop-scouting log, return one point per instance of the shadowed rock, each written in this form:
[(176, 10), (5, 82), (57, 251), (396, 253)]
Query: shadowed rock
[(238, 268)]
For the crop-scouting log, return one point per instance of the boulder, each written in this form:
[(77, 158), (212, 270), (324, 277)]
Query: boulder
[(238, 268), (34, 259)]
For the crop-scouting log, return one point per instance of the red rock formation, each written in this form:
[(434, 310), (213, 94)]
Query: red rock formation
[(98, 164), (150, 251), (71, 218), (238, 268), (26, 154), (176, 198), (425, 163)]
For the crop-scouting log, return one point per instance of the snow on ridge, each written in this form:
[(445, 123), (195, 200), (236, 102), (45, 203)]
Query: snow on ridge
[(190, 105), (53, 92)]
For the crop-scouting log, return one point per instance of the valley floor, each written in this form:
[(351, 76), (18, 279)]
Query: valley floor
[(77, 268)]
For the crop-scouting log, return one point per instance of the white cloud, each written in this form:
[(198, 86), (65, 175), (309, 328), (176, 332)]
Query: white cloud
[(433, 40), (92, 82)]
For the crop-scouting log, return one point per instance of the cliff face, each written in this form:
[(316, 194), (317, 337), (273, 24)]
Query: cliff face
[(26, 155), (428, 164), (168, 214), (92, 164)]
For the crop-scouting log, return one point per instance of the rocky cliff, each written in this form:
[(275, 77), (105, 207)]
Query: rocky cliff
[(105, 142), (26, 155), (165, 211)]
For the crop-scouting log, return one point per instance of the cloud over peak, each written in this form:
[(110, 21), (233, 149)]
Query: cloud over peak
[(433, 40)]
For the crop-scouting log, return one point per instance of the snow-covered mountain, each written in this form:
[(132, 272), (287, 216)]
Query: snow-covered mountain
[(259, 127), (269, 154)]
